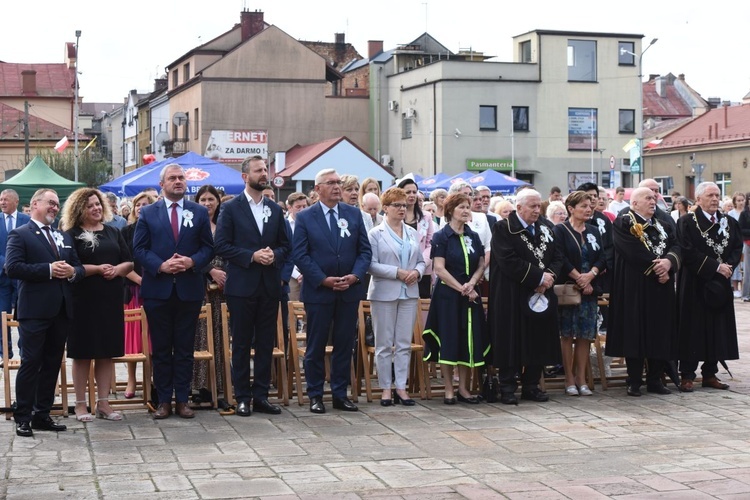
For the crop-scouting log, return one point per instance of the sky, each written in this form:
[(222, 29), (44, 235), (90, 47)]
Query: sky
[(125, 47)]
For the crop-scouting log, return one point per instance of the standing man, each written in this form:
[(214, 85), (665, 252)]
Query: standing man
[(618, 204), (173, 243), (332, 249), (45, 263), (117, 221), (485, 195), (524, 265), (664, 217), (711, 248), (642, 309), (296, 202), (10, 220), (252, 237)]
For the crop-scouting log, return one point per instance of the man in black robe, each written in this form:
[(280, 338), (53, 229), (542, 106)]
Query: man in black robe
[(524, 263), (664, 217), (642, 307), (711, 248)]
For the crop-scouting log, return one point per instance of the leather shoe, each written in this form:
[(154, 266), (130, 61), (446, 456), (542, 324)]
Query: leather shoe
[(508, 398), (23, 429), (472, 400), (398, 400), (184, 411), (243, 409), (686, 385), (634, 391), (536, 395), (164, 410), (714, 383), (264, 406), (344, 404), (658, 389), (449, 401), (316, 405), (47, 424), (386, 402)]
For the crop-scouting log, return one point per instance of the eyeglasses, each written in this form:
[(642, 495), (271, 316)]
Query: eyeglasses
[(485, 197), (330, 183), (398, 206), (560, 214)]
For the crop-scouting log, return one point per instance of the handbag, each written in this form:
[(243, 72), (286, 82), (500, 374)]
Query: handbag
[(568, 294), (490, 388)]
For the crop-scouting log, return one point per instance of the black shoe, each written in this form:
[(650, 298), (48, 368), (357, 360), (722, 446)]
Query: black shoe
[(536, 395), (264, 406), (449, 401), (47, 424), (23, 429), (386, 402), (634, 391), (398, 400), (471, 400), (243, 409), (508, 398), (658, 389), (316, 404), (344, 404)]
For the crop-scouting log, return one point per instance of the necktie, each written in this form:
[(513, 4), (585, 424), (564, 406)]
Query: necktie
[(51, 242), (173, 220), (333, 225), (713, 219), (9, 221), (530, 227)]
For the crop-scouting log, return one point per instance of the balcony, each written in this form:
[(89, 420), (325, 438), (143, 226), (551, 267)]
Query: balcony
[(176, 147)]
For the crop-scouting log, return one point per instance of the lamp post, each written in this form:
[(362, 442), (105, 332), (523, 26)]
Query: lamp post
[(76, 113), (641, 170)]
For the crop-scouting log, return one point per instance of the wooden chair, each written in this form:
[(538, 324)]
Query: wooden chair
[(431, 368), (618, 366), (14, 364), (143, 357), (279, 357), (208, 355)]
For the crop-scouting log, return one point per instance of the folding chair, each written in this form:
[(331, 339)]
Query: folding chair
[(208, 355)]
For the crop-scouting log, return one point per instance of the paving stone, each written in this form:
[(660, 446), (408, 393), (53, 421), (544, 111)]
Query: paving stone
[(242, 489)]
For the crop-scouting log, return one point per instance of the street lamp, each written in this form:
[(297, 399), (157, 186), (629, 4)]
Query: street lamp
[(624, 51), (76, 113)]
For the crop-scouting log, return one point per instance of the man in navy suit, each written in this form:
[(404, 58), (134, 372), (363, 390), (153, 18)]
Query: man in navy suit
[(11, 219), (332, 250), (173, 243), (252, 237), (45, 263)]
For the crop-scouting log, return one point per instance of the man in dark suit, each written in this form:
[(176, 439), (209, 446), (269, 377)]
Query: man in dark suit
[(11, 219), (332, 250), (252, 237), (45, 264), (485, 195), (173, 243)]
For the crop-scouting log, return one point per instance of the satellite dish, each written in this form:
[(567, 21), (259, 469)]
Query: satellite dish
[(179, 118), (161, 138)]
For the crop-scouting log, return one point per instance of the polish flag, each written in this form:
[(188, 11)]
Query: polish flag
[(62, 144), (654, 143)]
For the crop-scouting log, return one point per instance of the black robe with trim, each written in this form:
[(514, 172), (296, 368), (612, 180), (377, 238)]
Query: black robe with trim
[(706, 332), (519, 336), (642, 312)]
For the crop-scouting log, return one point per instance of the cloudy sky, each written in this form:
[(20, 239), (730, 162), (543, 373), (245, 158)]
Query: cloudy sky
[(125, 45)]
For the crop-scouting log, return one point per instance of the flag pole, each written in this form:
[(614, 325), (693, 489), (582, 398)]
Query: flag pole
[(75, 109)]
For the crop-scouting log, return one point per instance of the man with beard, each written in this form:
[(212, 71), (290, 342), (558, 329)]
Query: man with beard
[(252, 237), (524, 265), (642, 312), (711, 248)]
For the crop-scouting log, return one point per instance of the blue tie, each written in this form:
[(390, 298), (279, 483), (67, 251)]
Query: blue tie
[(9, 221), (333, 226), (531, 229)]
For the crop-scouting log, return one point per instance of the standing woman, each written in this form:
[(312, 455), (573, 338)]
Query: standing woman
[(455, 330), (209, 197), (133, 339), (397, 265), (425, 227), (738, 206), (744, 221), (369, 185), (98, 331), (583, 259)]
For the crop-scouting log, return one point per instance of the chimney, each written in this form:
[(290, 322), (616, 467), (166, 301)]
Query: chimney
[(710, 132), (681, 76), (340, 38), (28, 81), (251, 23), (661, 87), (374, 47), (726, 114), (716, 131), (160, 84)]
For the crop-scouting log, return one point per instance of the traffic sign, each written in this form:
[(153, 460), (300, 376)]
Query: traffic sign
[(278, 181), (635, 166), (612, 162)]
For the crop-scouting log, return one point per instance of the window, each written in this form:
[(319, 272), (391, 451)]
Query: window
[(627, 121), (521, 118), (582, 129), (196, 125), (175, 79), (724, 181), (581, 61), (487, 117), (625, 51), (525, 49), (185, 72), (406, 127)]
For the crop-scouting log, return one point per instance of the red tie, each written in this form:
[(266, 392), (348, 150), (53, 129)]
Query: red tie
[(713, 219), (51, 242), (175, 225)]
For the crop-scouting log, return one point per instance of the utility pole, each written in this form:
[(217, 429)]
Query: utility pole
[(26, 131), (75, 132)]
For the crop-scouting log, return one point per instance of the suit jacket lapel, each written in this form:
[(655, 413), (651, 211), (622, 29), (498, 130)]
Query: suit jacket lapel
[(43, 238), (322, 217), (161, 215), (390, 241), (245, 207)]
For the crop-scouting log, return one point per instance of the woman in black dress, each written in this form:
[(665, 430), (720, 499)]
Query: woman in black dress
[(98, 331)]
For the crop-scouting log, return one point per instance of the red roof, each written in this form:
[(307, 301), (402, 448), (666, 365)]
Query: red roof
[(298, 157), (52, 80), (718, 126), (670, 106), (11, 126)]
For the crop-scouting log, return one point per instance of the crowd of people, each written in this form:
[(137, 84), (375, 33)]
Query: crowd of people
[(515, 286)]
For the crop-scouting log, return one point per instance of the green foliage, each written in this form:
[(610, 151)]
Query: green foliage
[(93, 169)]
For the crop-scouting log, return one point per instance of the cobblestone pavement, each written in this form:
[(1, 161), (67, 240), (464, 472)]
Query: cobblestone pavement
[(680, 446)]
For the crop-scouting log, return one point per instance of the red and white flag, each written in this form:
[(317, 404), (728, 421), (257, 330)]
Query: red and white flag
[(62, 144)]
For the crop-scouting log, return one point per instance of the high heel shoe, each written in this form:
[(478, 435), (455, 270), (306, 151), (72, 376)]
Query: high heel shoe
[(399, 400), (84, 417), (129, 395), (386, 402), (113, 415)]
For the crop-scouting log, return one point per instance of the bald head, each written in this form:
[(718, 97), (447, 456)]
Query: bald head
[(643, 202), (650, 184)]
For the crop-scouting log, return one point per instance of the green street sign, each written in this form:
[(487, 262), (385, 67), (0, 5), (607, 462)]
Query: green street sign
[(481, 165), (635, 167)]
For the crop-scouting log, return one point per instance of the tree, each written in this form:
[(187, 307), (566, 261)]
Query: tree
[(93, 169)]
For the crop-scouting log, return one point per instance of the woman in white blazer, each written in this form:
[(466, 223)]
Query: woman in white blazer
[(396, 268)]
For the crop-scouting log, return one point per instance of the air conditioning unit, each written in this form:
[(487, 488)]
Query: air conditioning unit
[(392, 105), (411, 113), (386, 160)]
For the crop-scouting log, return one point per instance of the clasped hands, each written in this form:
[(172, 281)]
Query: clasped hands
[(408, 277), (583, 282), (264, 256), (62, 270), (176, 264), (661, 269), (725, 270), (340, 283), (547, 282)]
